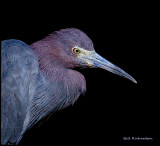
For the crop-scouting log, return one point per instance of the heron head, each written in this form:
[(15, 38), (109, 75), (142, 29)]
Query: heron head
[(76, 49)]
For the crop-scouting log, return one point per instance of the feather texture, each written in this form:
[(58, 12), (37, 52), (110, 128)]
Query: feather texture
[(29, 93)]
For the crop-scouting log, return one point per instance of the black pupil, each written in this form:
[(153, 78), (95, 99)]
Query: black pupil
[(76, 50)]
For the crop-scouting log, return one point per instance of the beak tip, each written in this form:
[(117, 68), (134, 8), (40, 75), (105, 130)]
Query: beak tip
[(135, 81)]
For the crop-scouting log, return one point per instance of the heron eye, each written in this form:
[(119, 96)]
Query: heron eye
[(76, 51)]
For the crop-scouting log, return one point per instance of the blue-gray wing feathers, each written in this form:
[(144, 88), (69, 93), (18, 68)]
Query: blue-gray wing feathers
[(18, 63)]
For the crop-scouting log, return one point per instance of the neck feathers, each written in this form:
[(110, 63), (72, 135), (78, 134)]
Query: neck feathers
[(57, 86), (51, 68), (56, 93)]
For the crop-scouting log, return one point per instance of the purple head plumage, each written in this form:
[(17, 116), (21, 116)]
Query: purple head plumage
[(73, 48)]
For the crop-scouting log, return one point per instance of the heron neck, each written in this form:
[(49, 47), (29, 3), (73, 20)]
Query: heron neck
[(56, 93), (57, 87)]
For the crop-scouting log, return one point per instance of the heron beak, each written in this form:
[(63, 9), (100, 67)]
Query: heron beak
[(95, 60)]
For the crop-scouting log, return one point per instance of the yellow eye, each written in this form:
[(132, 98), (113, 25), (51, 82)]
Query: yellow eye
[(76, 51)]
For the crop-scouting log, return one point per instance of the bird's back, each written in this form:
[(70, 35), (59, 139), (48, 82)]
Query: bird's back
[(19, 67)]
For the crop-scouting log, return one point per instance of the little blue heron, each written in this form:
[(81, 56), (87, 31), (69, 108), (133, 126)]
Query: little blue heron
[(40, 79)]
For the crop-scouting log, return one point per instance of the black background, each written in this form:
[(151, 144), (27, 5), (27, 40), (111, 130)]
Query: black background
[(113, 107)]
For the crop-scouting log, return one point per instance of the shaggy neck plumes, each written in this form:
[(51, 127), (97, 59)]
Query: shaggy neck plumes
[(57, 85)]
